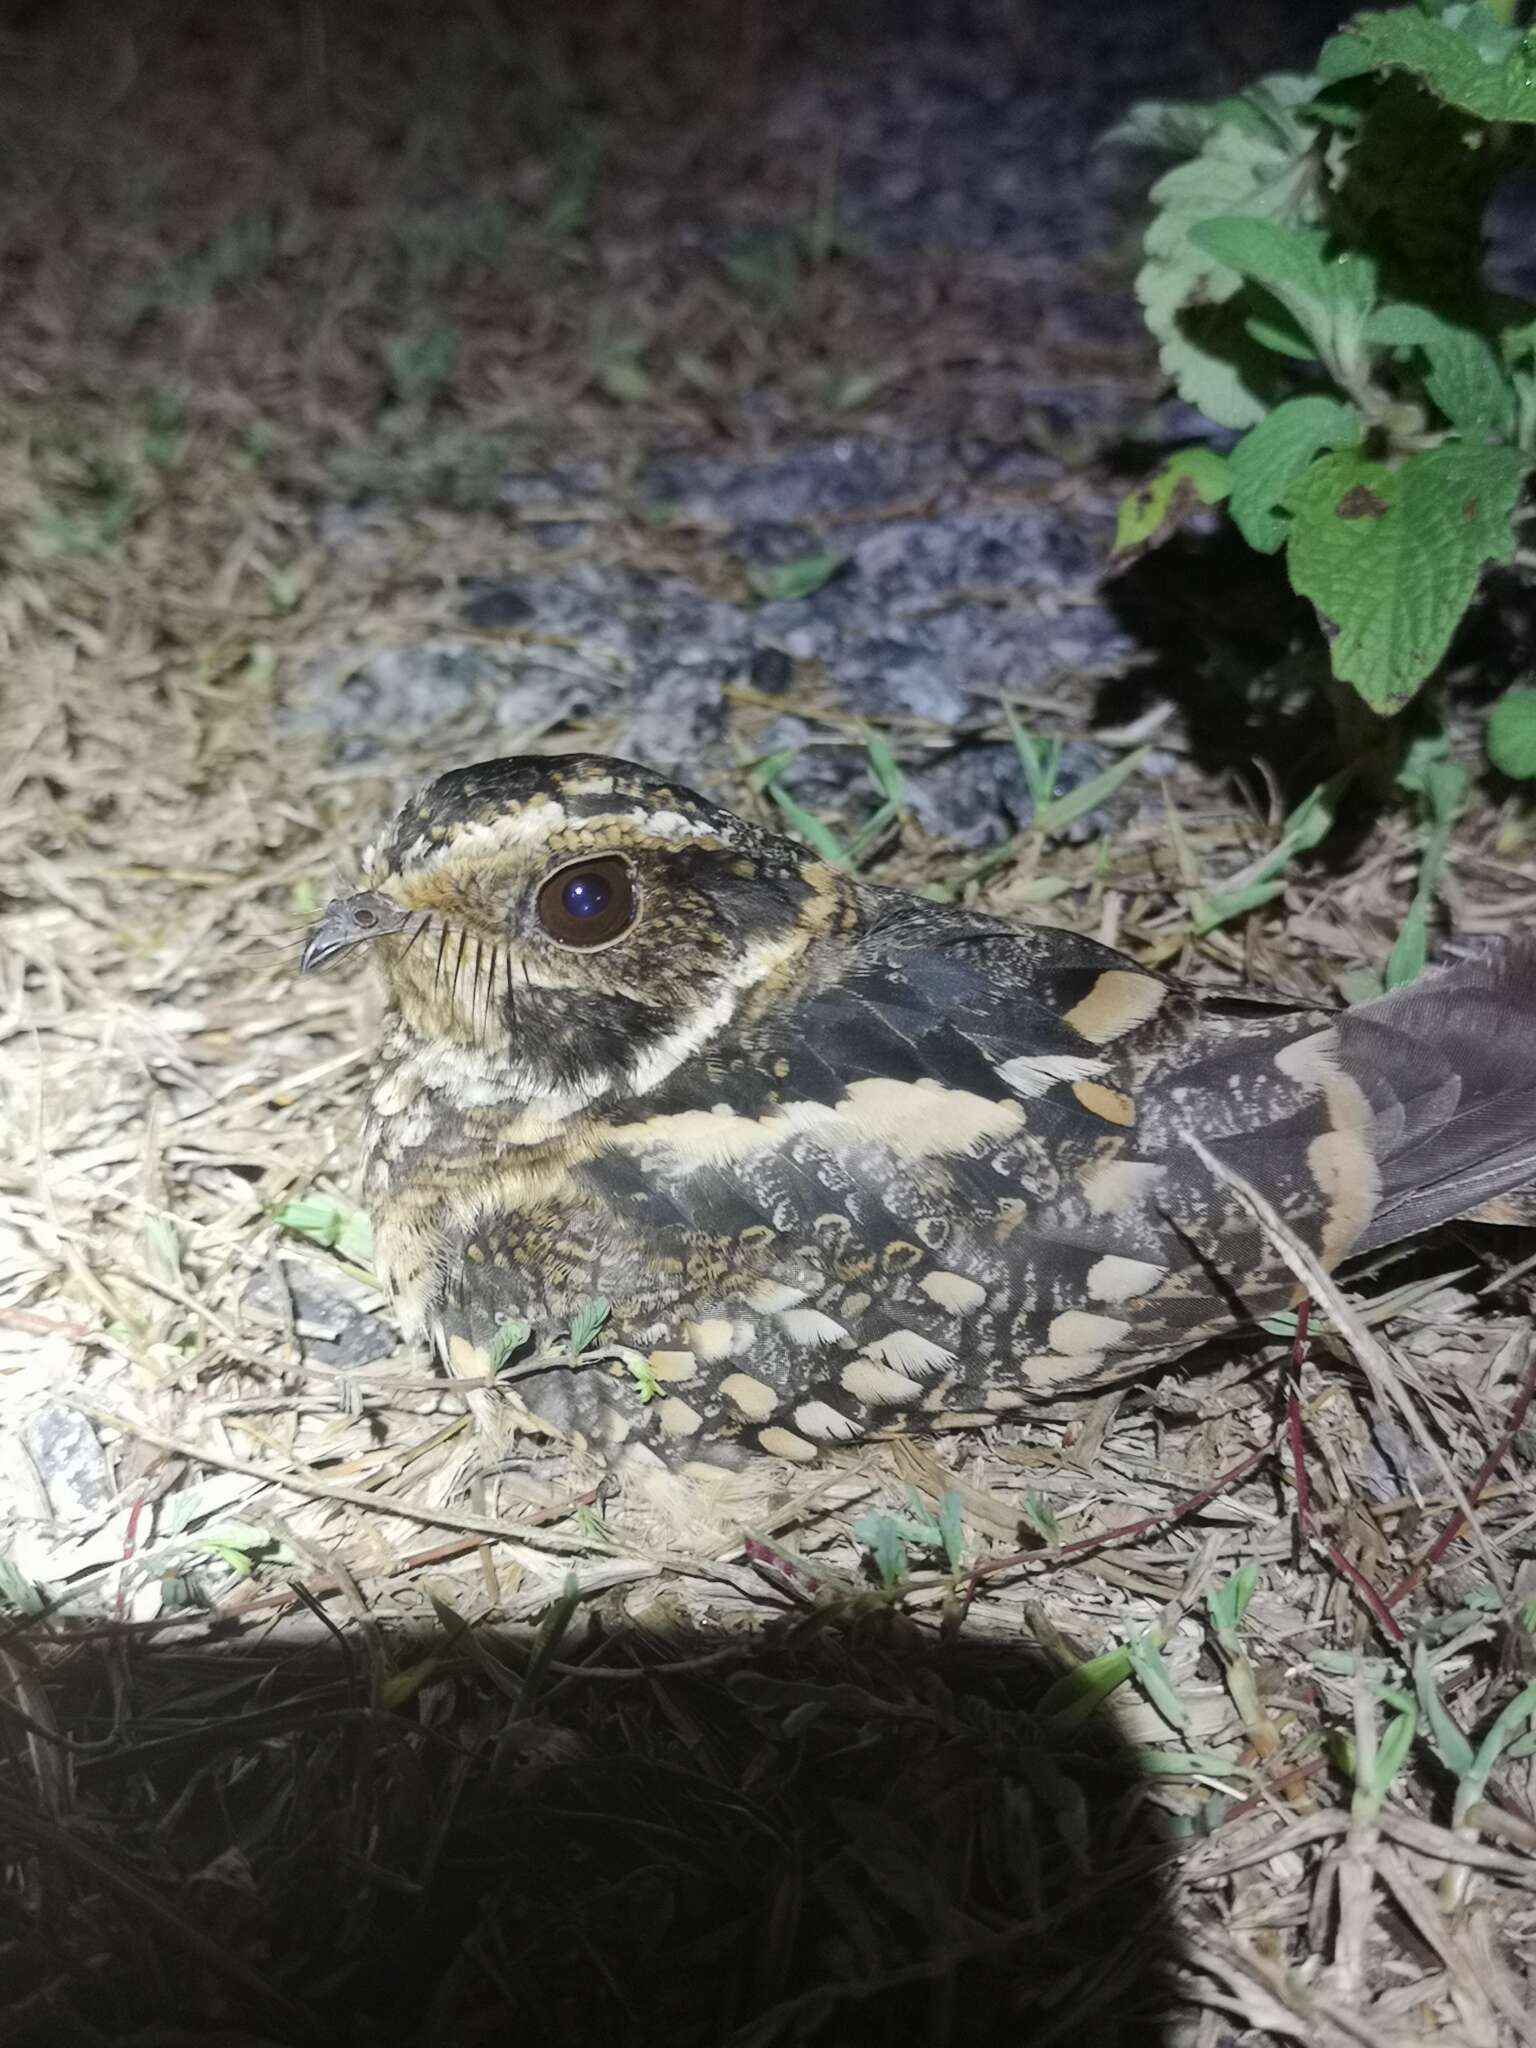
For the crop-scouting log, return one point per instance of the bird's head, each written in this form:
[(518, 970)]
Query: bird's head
[(576, 926)]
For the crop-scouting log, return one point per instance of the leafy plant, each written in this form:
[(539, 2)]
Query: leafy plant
[(327, 1220), (1313, 276), (890, 1538)]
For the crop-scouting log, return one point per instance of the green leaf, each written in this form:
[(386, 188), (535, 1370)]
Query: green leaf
[(788, 581), (1327, 292), (1070, 1700), (639, 1370), (1157, 508), (820, 838), (951, 1528), (1278, 332), (1391, 1755), (1466, 380), (1410, 949), (1228, 1603), (326, 1220), (884, 767), (1391, 558), (1195, 305), (881, 1535), (509, 1338), (1440, 786), (1270, 457), (1512, 734), (1041, 1516), (17, 1591), (1455, 1750), (1156, 1681), (1492, 75), (586, 1323), (769, 768), (1307, 826), (1520, 1709)]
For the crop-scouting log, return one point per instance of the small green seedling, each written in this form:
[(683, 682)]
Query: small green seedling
[(585, 1325), (1040, 759), (327, 1220), (891, 1538)]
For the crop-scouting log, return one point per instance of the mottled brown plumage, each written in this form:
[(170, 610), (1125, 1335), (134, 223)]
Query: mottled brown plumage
[(836, 1157)]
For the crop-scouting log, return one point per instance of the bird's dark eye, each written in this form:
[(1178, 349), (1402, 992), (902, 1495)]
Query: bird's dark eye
[(365, 920), (588, 903)]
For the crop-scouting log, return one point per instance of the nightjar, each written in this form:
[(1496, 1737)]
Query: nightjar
[(837, 1158)]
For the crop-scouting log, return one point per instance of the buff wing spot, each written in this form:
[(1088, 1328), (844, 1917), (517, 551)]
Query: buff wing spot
[(1108, 1104), (953, 1291), (754, 1399), (1076, 1332), (783, 1443), (1118, 1001)]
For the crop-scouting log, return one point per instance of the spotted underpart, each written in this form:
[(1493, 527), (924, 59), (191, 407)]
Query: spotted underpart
[(838, 1159)]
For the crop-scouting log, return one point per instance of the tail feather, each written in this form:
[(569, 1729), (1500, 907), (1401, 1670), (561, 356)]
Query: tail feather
[(1449, 1068)]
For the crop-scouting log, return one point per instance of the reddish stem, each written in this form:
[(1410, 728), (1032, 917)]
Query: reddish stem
[(1058, 1553)]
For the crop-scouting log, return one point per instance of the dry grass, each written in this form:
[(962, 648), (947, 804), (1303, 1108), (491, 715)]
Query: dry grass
[(320, 1726)]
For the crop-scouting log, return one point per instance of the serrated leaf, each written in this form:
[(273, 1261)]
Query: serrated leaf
[(1190, 299), (1490, 73), (1328, 292), (1465, 379), (586, 1323), (1158, 507), (1270, 457), (786, 582), (1512, 734), (1391, 558), (510, 1337)]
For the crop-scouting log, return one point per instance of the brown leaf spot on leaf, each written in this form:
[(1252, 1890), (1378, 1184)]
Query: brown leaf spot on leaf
[(1469, 509), (1360, 502)]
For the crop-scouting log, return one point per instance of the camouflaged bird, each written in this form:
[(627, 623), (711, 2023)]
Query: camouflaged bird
[(838, 1158)]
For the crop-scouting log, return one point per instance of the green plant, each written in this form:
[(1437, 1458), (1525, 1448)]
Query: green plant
[(889, 1538), (1313, 277)]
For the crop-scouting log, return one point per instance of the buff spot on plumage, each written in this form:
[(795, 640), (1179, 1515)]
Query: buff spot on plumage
[(1118, 1001)]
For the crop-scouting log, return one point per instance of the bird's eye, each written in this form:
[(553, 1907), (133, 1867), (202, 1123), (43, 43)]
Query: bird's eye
[(588, 904), (365, 920)]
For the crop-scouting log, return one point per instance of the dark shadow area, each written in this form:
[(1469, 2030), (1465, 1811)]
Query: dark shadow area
[(830, 1831)]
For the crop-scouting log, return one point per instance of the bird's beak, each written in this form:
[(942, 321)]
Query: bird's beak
[(349, 921)]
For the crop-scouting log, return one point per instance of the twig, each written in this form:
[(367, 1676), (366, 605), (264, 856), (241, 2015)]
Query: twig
[(1058, 1553), (344, 1496), (1372, 1357), (1485, 1472)]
